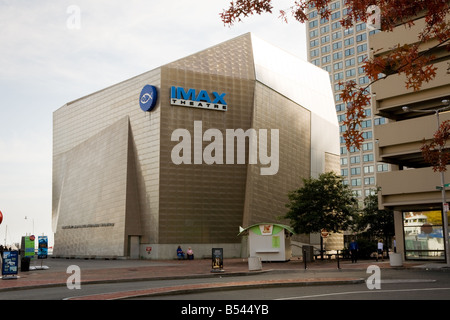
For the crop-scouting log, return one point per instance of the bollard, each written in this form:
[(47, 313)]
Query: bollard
[(337, 258), (304, 257)]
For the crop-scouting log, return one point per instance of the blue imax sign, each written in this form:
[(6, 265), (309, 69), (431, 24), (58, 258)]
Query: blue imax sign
[(190, 98)]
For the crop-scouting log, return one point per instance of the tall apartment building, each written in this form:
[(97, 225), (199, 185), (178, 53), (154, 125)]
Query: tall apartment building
[(341, 52)]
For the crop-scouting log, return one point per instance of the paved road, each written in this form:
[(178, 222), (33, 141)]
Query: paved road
[(313, 284), (395, 285), (235, 292), (157, 287)]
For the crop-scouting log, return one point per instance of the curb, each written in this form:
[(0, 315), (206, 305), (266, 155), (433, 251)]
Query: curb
[(25, 286), (137, 279), (185, 289), (36, 283)]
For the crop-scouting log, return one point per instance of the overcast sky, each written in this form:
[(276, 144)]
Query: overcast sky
[(53, 52)]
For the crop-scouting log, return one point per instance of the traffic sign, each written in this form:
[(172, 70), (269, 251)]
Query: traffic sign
[(324, 233)]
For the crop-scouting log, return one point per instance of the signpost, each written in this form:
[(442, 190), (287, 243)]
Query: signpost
[(323, 235)]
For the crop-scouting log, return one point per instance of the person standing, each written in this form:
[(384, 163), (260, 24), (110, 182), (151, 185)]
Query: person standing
[(380, 250), (353, 247)]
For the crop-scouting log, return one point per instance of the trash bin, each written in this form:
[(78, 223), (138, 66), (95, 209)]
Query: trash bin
[(254, 263), (308, 253), (395, 259), (25, 264)]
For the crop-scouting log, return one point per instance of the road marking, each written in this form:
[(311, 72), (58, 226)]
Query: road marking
[(359, 292)]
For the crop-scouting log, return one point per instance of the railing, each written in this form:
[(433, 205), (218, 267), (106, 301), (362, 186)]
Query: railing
[(338, 254)]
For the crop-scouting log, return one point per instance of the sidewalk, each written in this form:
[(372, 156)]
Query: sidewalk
[(101, 271)]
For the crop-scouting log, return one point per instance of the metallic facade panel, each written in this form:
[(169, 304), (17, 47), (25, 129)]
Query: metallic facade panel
[(164, 203)]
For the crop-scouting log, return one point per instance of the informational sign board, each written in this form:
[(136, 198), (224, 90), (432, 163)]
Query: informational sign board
[(28, 246), (10, 263), (42, 247), (217, 259)]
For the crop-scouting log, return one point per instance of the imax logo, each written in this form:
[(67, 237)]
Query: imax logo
[(190, 98)]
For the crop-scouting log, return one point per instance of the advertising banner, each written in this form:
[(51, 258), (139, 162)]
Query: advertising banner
[(217, 259), (42, 247), (28, 246), (10, 263)]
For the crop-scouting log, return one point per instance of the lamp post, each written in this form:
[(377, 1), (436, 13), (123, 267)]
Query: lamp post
[(26, 218), (444, 201)]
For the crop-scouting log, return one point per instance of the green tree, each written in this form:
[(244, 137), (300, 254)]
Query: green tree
[(323, 203), (374, 222)]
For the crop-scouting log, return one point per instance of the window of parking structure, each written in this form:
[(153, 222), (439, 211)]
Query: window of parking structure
[(423, 235)]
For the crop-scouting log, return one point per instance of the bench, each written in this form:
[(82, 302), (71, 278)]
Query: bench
[(328, 254)]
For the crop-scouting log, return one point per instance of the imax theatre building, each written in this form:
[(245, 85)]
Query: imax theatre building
[(189, 152)]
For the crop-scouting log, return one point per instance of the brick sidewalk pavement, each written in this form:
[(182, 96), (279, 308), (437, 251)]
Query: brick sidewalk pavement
[(100, 271)]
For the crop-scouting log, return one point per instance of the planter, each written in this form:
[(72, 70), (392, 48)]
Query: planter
[(396, 259), (254, 263)]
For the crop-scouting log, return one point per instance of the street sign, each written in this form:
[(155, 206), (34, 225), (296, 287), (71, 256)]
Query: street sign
[(445, 186)]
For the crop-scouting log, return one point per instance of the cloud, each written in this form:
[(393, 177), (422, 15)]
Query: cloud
[(25, 186), (116, 35), (24, 150)]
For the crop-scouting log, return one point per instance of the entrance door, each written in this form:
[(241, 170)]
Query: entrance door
[(134, 242)]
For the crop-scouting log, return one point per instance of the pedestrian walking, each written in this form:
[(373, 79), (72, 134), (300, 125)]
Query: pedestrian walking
[(353, 247)]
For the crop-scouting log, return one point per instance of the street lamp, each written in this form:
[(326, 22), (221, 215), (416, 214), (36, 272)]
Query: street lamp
[(444, 201), (26, 218)]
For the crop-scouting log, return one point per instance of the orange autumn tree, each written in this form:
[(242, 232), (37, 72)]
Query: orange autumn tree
[(406, 59), (435, 152)]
